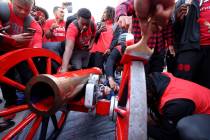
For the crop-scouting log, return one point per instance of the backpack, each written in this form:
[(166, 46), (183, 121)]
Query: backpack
[(5, 15), (73, 19)]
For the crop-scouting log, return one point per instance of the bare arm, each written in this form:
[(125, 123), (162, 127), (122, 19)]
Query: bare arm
[(49, 33), (67, 55), (142, 8)]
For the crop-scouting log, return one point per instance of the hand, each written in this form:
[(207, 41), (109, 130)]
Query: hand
[(62, 70), (107, 90), (102, 28), (181, 12), (22, 39), (206, 23), (107, 51), (54, 26), (113, 85), (125, 21), (171, 50)]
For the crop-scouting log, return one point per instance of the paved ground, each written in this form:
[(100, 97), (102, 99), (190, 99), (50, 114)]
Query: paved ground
[(79, 126)]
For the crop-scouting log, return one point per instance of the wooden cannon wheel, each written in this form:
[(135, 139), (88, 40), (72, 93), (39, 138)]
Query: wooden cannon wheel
[(131, 123), (30, 55)]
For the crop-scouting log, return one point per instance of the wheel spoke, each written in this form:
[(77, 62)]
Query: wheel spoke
[(19, 127), (62, 119), (12, 83), (44, 127), (54, 120), (49, 66), (12, 110), (60, 124), (32, 66), (34, 128)]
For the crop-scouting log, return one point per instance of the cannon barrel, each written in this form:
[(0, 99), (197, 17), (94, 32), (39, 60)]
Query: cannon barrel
[(46, 93)]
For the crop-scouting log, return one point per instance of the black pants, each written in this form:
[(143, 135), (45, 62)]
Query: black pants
[(97, 59), (187, 65), (172, 112), (195, 127), (156, 62), (111, 62), (194, 66), (20, 73)]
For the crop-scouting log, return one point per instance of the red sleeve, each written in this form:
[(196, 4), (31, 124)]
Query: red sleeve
[(126, 9), (37, 39), (72, 32)]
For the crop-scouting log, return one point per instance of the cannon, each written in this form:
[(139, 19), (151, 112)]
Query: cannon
[(47, 93)]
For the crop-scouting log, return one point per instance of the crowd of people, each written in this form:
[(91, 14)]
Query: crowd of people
[(176, 36)]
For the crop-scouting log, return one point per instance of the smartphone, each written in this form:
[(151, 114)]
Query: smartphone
[(31, 30), (3, 29)]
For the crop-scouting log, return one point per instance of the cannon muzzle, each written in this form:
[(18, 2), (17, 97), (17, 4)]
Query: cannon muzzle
[(46, 93)]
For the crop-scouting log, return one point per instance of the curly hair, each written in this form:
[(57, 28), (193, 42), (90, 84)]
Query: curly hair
[(84, 13), (110, 13)]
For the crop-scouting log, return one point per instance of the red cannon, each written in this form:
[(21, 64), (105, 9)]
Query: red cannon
[(48, 93)]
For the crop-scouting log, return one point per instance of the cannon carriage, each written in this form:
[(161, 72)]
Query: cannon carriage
[(48, 93)]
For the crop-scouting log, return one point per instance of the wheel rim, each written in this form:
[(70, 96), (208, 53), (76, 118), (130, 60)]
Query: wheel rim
[(8, 61), (132, 109)]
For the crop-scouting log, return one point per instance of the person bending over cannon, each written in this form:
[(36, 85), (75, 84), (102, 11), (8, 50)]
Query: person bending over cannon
[(175, 104)]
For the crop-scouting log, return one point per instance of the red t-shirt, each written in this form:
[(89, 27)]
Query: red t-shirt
[(183, 89), (16, 27), (205, 15), (104, 40), (58, 33), (81, 39)]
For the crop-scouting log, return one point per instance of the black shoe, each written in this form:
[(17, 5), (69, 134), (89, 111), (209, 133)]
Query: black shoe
[(6, 125)]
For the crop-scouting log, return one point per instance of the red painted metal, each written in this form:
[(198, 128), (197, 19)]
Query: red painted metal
[(12, 110), (127, 58), (8, 61), (124, 79), (62, 119), (34, 128), (103, 107), (60, 88), (49, 66), (12, 58), (12, 83), (122, 123), (77, 105), (32, 67), (62, 98), (122, 112), (19, 127)]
